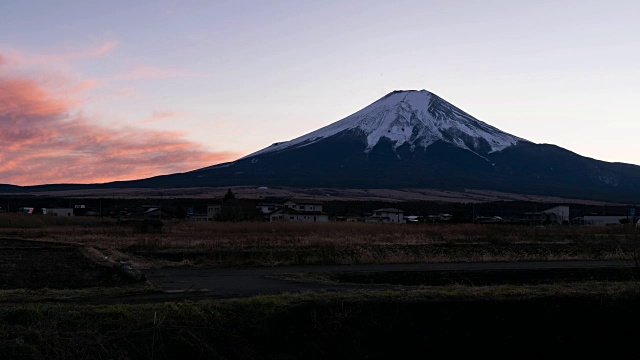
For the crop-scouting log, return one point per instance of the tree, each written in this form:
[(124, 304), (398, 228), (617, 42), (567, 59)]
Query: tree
[(228, 196)]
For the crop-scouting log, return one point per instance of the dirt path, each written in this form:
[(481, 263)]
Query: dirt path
[(242, 282), (37, 264)]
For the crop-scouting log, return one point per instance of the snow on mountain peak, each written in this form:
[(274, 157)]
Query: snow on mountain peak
[(418, 118)]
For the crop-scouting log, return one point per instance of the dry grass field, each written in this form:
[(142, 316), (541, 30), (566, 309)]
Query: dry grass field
[(285, 243), (566, 319)]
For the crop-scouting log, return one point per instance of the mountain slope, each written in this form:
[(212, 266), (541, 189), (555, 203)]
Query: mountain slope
[(416, 118), (417, 139), (414, 139)]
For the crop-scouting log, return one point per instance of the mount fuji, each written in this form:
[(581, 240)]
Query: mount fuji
[(415, 139), (414, 118)]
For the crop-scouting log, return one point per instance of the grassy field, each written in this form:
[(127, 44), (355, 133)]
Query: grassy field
[(555, 319), (548, 321), (284, 243)]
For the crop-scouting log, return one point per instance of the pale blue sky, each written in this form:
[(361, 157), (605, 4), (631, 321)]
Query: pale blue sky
[(239, 75)]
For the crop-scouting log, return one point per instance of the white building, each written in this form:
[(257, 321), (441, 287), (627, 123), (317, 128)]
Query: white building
[(387, 215), (295, 210), (213, 211), (288, 214), (304, 205), (561, 213), (267, 208), (555, 215)]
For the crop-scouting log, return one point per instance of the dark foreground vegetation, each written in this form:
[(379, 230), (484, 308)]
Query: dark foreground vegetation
[(550, 316), (574, 323)]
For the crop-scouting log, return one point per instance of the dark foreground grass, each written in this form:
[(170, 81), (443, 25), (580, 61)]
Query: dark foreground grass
[(572, 320)]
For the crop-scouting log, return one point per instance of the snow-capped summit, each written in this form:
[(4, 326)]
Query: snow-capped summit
[(413, 140), (417, 118), (416, 140)]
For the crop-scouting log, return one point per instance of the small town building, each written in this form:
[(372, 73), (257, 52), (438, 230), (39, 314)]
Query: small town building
[(596, 220), (304, 205), (293, 210), (290, 214), (213, 212), (267, 207), (387, 215), (146, 212), (58, 211), (555, 215)]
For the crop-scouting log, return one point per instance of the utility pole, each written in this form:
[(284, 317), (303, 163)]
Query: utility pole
[(474, 212)]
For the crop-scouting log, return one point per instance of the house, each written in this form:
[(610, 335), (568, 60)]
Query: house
[(267, 207), (213, 211), (555, 215), (387, 215), (304, 205), (59, 212), (291, 214), (293, 210), (561, 213), (147, 212)]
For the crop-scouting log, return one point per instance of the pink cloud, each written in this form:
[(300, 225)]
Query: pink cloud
[(158, 116), (43, 141)]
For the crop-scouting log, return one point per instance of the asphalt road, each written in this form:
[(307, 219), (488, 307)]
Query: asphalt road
[(242, 282)]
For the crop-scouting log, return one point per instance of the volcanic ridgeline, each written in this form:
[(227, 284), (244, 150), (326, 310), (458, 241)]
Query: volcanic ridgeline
[(411, 139)]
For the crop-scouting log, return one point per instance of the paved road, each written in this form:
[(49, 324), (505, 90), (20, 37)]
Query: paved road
[(242, 282)]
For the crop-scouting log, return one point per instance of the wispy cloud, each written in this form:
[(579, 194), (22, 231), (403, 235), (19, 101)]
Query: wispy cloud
[(93, 52), (158, 116), (151, 72), (61, 61), (44, 140)]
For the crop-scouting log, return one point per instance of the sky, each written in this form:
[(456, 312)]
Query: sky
[(96, 91)]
